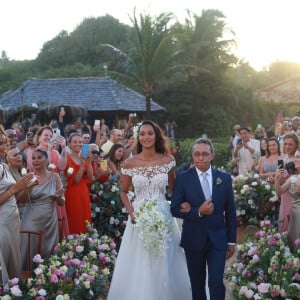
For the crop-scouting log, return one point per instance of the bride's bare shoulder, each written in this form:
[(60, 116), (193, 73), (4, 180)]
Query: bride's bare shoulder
[(130, 163)]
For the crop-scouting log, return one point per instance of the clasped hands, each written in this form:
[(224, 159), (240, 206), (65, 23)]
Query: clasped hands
[(206, 208)]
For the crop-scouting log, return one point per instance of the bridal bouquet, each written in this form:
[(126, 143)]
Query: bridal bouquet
[(154, 229)]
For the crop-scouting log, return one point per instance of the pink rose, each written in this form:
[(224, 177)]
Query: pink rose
[(54, 278), (263, 288)]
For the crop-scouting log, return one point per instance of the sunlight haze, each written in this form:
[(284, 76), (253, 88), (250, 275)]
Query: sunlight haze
[(266, 30)]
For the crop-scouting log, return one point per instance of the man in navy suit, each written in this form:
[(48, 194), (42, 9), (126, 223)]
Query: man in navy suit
[(203, 198)]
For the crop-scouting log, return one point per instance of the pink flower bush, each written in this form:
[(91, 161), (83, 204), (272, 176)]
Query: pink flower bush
[(266, 269), (80, 268)]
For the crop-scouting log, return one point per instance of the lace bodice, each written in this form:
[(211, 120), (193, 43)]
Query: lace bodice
[(150, 182)]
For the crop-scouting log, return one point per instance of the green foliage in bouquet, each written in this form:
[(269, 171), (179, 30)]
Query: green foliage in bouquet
[(80, 268), (266, 269), (255, 200), (108, 213)]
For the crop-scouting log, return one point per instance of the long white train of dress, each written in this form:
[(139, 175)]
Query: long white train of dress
[(138, 275)]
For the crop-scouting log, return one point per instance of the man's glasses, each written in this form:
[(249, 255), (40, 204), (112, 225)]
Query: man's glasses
[(204, 154)]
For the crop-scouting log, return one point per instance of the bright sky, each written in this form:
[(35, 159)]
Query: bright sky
[(266, 30)]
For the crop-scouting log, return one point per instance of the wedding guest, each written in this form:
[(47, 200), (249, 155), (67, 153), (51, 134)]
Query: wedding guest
[(100, 173), (10, 257), (292, 186), (57, 162), (115, 136), (154, 274), (247, 150), (269, 163), (79, 175), (40, 213), (290, 145), (3, 145), (115, 158), (15, 163)]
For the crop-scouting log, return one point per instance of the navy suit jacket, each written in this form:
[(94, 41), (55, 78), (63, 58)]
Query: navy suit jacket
[(219, 227)]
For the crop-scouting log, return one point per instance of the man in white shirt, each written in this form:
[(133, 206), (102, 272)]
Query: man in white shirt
[(115, 136), (247, 151)]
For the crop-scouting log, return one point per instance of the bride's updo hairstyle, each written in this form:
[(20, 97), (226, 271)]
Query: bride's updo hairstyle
[(161, 145)]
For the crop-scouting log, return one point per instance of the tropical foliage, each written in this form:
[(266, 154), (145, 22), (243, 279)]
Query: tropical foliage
[(204, 81)]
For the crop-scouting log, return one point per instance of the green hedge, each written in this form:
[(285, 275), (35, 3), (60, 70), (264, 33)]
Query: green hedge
[(223, 153)]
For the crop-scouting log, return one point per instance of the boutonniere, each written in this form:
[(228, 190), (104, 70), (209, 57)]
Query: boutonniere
[(218, 181)]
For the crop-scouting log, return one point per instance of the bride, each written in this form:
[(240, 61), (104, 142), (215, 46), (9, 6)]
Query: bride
[(150, 264)]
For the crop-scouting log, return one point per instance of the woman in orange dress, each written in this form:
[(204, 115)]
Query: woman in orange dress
[(79, 174)]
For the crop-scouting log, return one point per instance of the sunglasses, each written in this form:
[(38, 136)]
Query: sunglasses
[(16, 154), (95, 152)]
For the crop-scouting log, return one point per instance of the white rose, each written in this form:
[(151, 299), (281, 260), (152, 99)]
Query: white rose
[(114, 188), (51, 166), (23, 172), (70, 171), (42, 292), (105, 271), (293, 179)]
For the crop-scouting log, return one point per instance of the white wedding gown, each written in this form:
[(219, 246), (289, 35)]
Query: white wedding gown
[(138, 275)]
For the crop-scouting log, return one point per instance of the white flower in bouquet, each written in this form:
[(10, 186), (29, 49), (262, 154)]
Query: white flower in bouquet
[(130, 195), (154, 229), (51, 166), (70, 171), (114, 188), (23, 172)]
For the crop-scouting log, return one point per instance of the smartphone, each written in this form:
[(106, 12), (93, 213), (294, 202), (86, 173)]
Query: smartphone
[(280, 163), (85, 150), (62, 109), (97, 123), (56, 132), (103, 165)]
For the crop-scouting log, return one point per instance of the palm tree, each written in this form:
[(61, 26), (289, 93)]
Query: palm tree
[(205, 52), (151, 54)]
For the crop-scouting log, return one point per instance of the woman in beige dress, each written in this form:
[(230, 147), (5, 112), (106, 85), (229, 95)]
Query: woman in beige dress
[(39, 213), (15, 163), (10, 260)]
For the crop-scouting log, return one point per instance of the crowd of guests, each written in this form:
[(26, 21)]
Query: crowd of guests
[(275, 156), (45, 178), (45, 181)]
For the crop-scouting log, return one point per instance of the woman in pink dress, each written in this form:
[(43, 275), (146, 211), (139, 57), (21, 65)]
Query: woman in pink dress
[(290, 145)]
